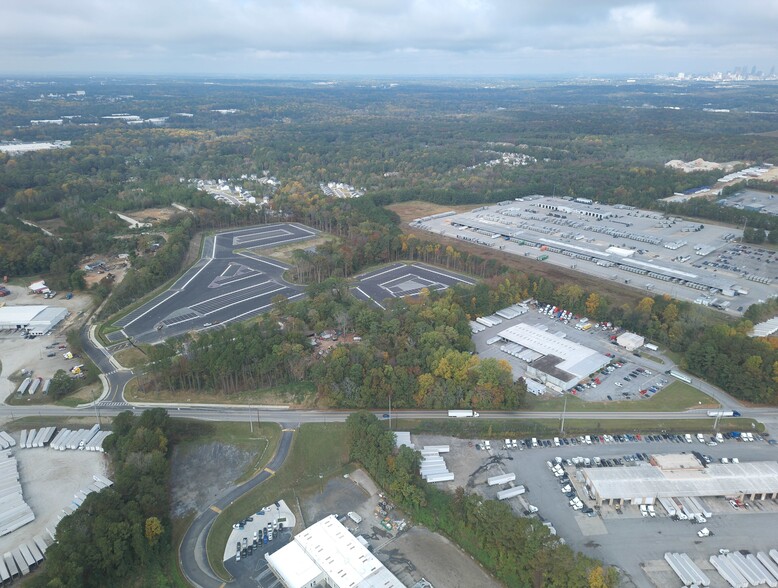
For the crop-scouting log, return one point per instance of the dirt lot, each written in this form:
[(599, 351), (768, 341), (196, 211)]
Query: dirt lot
[(411, 554), (419, 553), (17, 353), (49, 480), (408, 211), (201, 472), (153, 215)]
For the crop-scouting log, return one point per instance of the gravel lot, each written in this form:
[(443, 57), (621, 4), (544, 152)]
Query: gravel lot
[(18, 353), (202, 472), (50, 479)]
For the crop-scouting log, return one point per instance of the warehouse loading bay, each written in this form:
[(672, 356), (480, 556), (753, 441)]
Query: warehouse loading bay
[(649, 375), (647, 250), (624, 537)]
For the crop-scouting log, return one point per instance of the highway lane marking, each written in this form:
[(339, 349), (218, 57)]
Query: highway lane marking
[(285, 241), (370, 297), (222, 307), (235, 318), (197, 273), (233, 292), (428, 269), (230, 281), (261, 260), (386, 271), (150, 309), (217, 510)]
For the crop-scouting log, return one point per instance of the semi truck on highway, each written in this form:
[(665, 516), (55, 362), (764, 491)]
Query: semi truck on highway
[(723, 413), (462, 413)]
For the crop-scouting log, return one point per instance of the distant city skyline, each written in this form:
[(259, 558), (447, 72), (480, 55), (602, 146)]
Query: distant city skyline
[(387, 37)]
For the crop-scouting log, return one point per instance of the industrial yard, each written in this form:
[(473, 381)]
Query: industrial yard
[(702, 262), (546, 481), (42, 482)]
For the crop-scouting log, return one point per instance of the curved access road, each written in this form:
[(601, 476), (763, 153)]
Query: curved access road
[(192, 555)]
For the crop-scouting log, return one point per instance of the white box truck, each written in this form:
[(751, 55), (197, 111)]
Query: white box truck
[(462, 413)]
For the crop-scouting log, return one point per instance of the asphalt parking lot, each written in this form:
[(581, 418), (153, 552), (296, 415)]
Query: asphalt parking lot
[(611, 385), (400, 279), (252, 571), (230, 282), (630, 541)]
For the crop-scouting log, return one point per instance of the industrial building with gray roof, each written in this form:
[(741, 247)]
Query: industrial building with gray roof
[(681, 476)]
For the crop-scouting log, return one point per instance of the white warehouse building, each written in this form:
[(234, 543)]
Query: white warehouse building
[(564, 362), (36, 319), (327, 554)]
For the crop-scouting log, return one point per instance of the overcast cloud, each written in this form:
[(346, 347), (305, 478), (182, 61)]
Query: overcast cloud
[(386, 37)]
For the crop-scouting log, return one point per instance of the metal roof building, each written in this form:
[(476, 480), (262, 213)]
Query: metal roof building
[(564, 362), (327, 553), (630, 341), (37, 319), (681, 476)]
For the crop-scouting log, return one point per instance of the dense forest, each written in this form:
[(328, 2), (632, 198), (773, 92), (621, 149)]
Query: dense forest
[(412, 140), (416, 353), (518, 551), (125, 527)]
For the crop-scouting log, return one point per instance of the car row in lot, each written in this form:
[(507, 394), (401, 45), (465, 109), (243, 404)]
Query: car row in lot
[(567, 488), (534, 442)]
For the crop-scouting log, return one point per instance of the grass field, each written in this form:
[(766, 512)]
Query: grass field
[(131, 357), (546, 428), (676, 396), (318, 452)]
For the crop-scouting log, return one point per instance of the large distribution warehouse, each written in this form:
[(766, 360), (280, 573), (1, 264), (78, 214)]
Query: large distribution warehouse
[(327, 554), (563, 364), (681, 475), (36, 319)]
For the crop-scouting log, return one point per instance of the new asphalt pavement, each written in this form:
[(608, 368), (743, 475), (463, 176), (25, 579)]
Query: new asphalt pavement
[(230, 282)]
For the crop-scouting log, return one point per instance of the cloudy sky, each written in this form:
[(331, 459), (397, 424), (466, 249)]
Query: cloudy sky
[(386, 37)]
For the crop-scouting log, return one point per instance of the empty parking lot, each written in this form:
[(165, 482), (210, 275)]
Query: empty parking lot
[(231, 281), (400, 279)]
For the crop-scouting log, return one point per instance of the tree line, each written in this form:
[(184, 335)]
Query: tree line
[(123, 528), (517, 551)]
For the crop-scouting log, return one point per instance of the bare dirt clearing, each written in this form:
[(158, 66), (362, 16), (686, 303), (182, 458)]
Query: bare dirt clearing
[(153, 215), (408, 211)]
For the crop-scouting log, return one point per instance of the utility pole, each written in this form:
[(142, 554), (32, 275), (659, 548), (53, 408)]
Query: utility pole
[(251, 421), (564, 410)]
